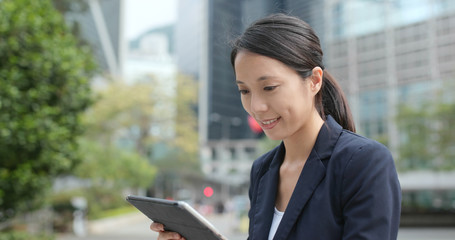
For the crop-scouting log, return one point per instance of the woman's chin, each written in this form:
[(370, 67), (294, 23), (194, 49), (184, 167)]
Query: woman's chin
[(274, 137)]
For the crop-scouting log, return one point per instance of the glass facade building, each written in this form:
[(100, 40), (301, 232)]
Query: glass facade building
[(386, 53), (391, 53), (226, 118)]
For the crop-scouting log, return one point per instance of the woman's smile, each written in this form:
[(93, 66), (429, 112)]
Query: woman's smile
[(269, 124)]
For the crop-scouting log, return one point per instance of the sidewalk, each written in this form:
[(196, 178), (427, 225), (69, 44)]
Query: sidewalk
[(129, 226), (135, 226)]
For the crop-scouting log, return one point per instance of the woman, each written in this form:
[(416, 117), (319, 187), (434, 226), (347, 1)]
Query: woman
[(323, 181)]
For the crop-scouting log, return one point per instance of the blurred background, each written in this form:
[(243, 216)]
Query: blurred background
[(104, 98)]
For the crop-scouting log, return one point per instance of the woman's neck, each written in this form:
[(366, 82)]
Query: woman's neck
[(299, 146)]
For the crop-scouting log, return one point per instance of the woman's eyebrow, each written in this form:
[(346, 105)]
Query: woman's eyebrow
[(265, 78), (262, 78)]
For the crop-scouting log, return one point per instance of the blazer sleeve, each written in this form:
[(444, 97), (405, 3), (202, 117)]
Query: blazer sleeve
[(371, 195)]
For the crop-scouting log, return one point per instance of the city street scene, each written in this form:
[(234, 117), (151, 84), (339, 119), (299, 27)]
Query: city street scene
[(334, 113)]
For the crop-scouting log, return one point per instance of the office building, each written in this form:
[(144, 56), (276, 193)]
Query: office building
[(99, 23), (393, 53)]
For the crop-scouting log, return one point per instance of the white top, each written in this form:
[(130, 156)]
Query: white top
[(277, 216)]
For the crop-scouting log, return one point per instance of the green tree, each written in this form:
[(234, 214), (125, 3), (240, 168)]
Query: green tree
[(185, 142), (181, 162), (146, 113), (113, 167), (427, 136), (44, 87), (127, 112), (118, 136), (152, 119)]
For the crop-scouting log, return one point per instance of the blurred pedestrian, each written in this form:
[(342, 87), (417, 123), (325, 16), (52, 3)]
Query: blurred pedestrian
[(220, 207)]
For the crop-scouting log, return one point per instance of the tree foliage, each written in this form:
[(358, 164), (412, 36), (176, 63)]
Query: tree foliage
[(117, 136), (427, 136), (127, 113), (114, 167), (186, 138), (44, 87), (130, 126)]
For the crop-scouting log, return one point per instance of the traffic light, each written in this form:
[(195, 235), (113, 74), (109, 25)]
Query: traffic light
[(208, 191)]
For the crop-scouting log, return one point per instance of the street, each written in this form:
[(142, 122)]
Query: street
[(136, 227)]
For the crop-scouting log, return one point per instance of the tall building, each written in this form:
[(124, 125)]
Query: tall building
[(204, 29), (391, 54), (100, 24), (225, 142), (190, 32)]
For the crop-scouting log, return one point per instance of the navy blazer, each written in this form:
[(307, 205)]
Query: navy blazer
[(348, 189)]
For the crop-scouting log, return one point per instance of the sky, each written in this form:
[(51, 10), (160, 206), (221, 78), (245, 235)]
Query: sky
[(142, 15)]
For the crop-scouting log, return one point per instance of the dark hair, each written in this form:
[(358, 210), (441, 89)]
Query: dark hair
[(293, 42)]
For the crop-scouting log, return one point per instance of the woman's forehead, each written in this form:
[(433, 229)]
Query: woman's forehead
[(252, 65)]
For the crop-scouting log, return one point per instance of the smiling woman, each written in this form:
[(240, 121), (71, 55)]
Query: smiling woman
[(323, 181)]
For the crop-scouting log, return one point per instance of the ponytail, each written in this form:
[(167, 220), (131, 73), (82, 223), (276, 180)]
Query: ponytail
[(331, 101)]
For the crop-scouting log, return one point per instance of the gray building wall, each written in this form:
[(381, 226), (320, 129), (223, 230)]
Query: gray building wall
[(100, 24), (189, 34), (394, 53)]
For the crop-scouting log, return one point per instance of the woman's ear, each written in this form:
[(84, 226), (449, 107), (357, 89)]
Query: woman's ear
[(316, 80)]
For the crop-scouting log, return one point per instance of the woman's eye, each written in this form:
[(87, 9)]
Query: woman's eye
[(243, 91), (269, 88)]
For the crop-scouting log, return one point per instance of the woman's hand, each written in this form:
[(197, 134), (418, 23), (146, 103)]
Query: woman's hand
[(163, 235)]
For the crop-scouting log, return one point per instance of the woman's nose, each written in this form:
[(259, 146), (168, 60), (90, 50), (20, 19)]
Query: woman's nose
[(258, 104)]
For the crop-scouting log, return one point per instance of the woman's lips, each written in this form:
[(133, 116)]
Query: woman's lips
[(269, 124)]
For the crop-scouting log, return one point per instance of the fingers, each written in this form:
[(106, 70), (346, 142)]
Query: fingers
[(157, 227), (170, 236), (163, 235)]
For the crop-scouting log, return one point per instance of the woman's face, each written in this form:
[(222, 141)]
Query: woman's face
[(275, 95)]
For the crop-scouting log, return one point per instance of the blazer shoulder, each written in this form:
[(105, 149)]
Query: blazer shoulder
[(353, 142), (358, 152), (353, 147)]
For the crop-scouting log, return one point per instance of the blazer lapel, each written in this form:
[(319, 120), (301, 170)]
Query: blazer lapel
[(266, 195), (312, 174)]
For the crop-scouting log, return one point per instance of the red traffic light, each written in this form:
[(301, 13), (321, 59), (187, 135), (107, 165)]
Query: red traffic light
[(208, 191)]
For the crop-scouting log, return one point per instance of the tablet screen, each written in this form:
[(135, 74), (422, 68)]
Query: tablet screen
[(176, 216)]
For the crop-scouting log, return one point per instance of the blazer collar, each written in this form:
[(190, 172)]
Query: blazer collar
[(327, 138), (312, 174)]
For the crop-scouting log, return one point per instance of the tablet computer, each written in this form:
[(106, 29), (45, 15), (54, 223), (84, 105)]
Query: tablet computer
[(176, 216)]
